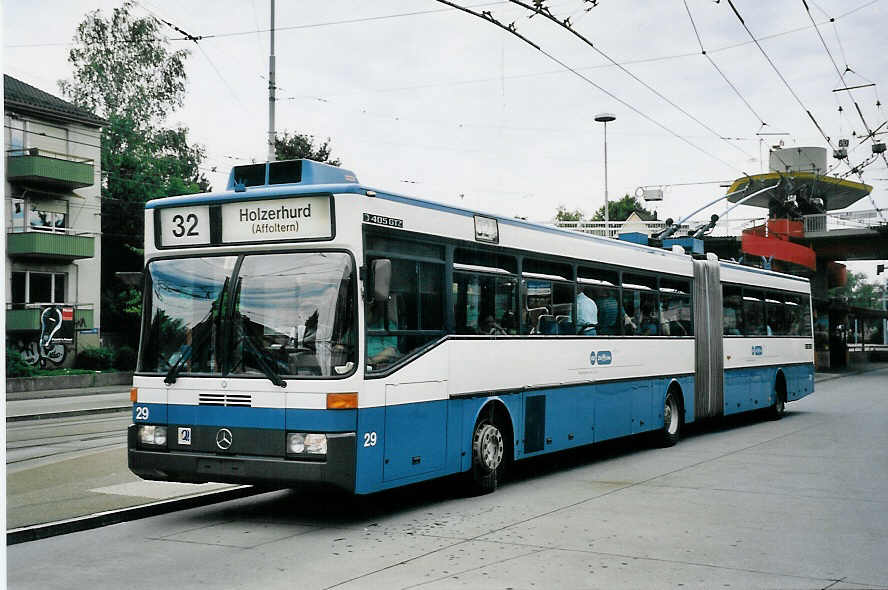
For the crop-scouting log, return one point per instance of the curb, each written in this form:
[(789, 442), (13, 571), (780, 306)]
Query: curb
[(101, 519), (49, 415), (77, 381)]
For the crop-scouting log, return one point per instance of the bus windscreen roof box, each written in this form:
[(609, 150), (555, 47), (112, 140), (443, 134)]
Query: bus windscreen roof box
[(288, 172)]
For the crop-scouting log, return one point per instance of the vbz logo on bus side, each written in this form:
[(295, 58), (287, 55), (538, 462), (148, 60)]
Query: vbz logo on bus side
[(603, 357)]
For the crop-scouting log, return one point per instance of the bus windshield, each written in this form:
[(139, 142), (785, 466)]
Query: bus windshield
[(273, 315)]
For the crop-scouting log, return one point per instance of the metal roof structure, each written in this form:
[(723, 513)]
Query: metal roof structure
[(837, 193)]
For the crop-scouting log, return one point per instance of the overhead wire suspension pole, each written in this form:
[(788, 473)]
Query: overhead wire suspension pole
[(271, 92)]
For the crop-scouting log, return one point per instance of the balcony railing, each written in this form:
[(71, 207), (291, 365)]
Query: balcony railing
[(56, 243), (43, 167), (26, 316), (853, 220)]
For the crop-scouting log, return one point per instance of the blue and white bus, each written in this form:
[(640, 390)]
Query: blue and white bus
[(299, 327)]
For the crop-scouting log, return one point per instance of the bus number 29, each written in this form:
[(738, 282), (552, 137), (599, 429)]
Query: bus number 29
[(369, 439), (141, 413)]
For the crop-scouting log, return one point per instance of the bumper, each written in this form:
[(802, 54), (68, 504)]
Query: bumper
[(201, 467)]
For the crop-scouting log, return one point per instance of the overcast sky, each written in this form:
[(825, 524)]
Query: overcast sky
[(439, 104)]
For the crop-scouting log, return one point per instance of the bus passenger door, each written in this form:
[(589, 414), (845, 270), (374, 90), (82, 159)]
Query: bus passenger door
[(415, 428), (709, 395)]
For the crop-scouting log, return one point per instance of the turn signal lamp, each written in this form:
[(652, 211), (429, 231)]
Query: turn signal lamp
[(342, 401), (134, 394)]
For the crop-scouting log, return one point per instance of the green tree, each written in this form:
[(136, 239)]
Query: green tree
[(859, 292), (124, 71), (621, 210), (297, 145), (563, 214)]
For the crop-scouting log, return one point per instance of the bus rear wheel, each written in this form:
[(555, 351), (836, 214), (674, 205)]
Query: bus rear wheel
[(779, 408), (671, 420), (488, 454)]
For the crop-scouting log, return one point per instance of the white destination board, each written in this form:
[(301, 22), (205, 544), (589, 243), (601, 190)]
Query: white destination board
[(297, 218), (185, 226)]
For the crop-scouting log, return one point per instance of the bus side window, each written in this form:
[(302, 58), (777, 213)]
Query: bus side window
[(778, 322), (483, 304), (675, 307), (754, 312), (641, 305), (732, 318), (537, 308), (792, 309), (414, 313), (806, 316)]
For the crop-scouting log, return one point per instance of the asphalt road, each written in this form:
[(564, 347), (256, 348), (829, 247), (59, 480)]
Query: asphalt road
[(799, 503)]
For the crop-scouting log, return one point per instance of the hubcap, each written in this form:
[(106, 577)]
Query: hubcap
[(670, 416), (490, 447)]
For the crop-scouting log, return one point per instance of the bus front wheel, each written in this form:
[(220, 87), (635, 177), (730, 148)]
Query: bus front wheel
[(488, 453)]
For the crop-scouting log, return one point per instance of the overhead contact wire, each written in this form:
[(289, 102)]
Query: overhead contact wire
[(511, 29), (564, 24), (718, 69)]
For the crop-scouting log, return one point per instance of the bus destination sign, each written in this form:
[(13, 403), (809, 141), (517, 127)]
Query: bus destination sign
[(281, 219), (297, 218)]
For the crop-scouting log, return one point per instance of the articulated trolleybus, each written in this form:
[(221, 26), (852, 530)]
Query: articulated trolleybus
[(302, 328)]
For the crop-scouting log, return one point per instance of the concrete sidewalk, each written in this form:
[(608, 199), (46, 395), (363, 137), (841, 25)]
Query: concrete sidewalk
[(75, 392), (91, 402)]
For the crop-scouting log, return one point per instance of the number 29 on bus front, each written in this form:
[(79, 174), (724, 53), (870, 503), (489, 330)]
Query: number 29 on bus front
[(185, 226)]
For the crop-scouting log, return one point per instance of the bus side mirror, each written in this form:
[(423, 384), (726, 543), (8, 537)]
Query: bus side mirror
[(381, 273)]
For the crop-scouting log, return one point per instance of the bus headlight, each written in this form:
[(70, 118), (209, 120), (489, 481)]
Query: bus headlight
[(152, 436), (316, 444), (296, 443), (301, 443)]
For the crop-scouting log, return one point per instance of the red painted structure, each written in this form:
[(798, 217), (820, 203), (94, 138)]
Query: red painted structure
[(772, 241)]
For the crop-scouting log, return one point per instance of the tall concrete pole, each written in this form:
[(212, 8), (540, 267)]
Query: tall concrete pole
[(271, 91)]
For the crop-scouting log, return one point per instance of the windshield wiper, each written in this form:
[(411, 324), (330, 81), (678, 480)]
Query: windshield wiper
[(188, 354), (259, 355)]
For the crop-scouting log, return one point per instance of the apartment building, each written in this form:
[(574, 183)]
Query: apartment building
[(53, 225)]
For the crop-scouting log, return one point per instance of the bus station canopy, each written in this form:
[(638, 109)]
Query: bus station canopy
[(837, 193)]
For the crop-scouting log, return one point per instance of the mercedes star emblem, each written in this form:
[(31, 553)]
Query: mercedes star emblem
[(224, 439)]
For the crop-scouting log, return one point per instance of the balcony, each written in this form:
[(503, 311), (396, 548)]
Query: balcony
[(26, 316), (53, 245), (50, 169)]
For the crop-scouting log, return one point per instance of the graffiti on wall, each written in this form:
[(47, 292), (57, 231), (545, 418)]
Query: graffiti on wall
[(55, 335)]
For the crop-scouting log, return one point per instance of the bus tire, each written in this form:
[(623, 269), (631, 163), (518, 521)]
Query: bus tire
[(488, 457), (672, 421), (776, 411)]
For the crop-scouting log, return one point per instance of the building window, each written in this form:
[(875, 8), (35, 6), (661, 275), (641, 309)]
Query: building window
[(47, 220), (18, 215), (15, 129), (38, 287)]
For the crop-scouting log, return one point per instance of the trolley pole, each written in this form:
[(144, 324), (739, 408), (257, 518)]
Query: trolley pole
[(271, 92)]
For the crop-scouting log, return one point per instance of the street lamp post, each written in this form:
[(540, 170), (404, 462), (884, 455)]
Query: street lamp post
[(605, 118)]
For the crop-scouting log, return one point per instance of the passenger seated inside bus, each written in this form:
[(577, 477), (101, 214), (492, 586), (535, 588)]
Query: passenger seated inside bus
[(608, 311), (381, 349), (649, 322), (587, 312)]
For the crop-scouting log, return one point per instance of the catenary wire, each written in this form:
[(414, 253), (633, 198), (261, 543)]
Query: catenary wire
[(565, 25), (718, 69), (511, 29)]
